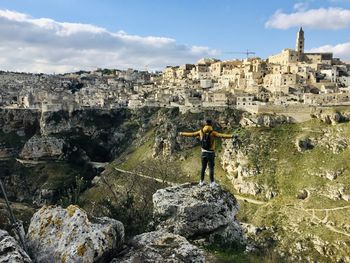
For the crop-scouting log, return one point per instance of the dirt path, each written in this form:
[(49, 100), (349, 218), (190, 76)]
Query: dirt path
[(146, 176), (249, 200), (329, 209), (325, 222)]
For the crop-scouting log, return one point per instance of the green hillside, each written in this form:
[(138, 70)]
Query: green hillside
[(308, 217)]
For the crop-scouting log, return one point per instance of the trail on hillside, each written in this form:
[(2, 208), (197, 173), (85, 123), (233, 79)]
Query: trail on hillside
[(325, 222), (146, 176)]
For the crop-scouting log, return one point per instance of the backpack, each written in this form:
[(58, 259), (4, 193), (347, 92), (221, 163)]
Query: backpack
[(205, 141)]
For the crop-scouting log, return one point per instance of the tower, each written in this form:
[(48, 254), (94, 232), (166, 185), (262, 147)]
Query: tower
[(300, 42)]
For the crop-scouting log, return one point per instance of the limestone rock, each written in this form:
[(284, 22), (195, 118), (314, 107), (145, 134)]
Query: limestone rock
[(331, 117), (10, 250), (328, 174), (43, 147), (263, 120), (66, 235), (338, 192), (198, 212), (161, 246), (236, 163)]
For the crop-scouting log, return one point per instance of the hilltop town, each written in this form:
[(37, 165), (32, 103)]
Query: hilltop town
[(292, 79)]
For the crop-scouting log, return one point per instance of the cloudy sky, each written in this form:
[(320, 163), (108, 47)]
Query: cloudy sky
[(69, 35)]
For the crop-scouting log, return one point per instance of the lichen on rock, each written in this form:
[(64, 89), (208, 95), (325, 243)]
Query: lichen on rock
[(198, 213), (56, 234)]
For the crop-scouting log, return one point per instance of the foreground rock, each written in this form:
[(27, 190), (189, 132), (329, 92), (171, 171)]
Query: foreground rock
[(10, 251), (160, 246), (66, 235), (43, 148), (198, 213)]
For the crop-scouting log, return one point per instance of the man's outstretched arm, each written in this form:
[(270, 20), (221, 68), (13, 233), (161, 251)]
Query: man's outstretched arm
[(190, 134), (222, 135)]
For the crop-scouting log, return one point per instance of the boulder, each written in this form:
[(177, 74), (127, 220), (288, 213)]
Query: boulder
[(161, 246), (67, 235), (200, 213), (44, 147), (10, 250)]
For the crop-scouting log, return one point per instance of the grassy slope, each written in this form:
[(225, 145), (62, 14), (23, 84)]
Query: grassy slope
[(285, 170)]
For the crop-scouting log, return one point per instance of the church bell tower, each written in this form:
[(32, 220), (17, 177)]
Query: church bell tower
[(300, 42)]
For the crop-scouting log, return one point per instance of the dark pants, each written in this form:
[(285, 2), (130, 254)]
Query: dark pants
[(208, 159)]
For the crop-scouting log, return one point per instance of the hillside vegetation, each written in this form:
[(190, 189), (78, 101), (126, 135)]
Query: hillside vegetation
[(303, 173)]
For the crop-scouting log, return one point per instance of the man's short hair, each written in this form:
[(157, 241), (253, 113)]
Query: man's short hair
[(208, 122)]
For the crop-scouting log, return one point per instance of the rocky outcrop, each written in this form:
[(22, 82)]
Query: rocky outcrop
[(328, 174), (202, 214), (263, 120), (235, 162), (67, 235), (10, 250), (331, 117), (333, 141), (45, 147), (160, 246), (23, 122), (337, 192)]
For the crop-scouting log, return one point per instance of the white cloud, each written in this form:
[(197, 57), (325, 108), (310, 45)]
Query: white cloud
[(301, 6), (45, 45), (322, 18), (340, 50)]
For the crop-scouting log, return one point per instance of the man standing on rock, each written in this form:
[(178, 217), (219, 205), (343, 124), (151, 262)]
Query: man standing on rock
[(207, 136)]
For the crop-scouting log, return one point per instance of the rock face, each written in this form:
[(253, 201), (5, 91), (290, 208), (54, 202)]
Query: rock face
[(235, 161), (160, 246), (23, 122), (198, 213), (331, 117), (66, 235), (43, 147), (263, 120), (10, 251)]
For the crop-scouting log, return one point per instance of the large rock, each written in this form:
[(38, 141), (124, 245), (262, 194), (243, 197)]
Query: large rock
[(199, 213), (44, 147), (160, 246), (10, 251), (66, 235)]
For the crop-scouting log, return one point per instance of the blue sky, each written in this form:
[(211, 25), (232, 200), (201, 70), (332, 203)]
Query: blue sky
[(59, 36)]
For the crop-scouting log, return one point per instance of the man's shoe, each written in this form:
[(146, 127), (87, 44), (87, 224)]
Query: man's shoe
[(201, 183), (213, 184)]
